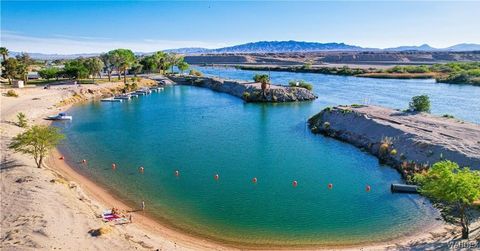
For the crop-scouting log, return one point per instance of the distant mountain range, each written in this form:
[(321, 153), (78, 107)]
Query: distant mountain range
[(298, 46), (278, 47)]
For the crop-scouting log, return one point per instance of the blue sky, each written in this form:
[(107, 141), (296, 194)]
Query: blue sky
[(88, 26)]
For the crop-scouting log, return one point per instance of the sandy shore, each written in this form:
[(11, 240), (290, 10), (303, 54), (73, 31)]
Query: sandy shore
[(55, 207)]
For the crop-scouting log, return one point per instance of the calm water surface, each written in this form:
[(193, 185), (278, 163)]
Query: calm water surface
[(202, 133)]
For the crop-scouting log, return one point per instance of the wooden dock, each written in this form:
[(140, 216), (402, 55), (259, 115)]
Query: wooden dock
[(403, 188)]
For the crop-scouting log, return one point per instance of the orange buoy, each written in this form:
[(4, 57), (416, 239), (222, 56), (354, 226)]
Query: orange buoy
[(141, 169), (295, 183), (254, 180), (368, 188), (330, 186), (216, 177), (177, 173), (114, 166), (62, 158)]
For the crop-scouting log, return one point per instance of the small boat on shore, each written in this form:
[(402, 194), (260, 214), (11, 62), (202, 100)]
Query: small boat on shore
[(60, 116)]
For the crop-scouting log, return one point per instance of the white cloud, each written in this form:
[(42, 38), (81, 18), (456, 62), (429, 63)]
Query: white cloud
[(62, 44)]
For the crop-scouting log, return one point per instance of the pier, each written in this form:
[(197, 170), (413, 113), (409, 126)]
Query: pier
[(403, 188)]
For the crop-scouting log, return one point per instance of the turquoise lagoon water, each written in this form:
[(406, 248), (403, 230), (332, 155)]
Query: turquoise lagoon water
[(202, 133)]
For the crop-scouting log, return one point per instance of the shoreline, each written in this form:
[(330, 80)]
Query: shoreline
[(408, 142), (100, 195), (345, 71), (160, 233)]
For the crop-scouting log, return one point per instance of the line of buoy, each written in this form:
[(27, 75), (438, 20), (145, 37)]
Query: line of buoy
[(217, 177)]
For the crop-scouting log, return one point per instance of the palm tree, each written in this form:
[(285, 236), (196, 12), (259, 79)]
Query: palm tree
[(264, 79), (26, 61), (4, 52), (94, 66)]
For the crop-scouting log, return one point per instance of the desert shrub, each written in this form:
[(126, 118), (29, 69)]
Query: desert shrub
[(385, 144), (194, 72), (100, 231), (420, 104), (134, 85), (246, 95), (22, 120), (448, 116), (301, 83), (307, 66), (11, 93)]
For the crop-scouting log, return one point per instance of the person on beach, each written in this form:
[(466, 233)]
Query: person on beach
[(143, 205)]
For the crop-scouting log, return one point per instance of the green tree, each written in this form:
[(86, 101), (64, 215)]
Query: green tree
[(174, 60), (136, 68), (4, 53), (76, 69), (459, 187), (22, 120), (149, 64), (25, 63), (420, 104), (264, 79), (123, 59), (183, 66), (11, 68), (108, 62), (48, 73), (162, 61), (37, 142), (94, 66)]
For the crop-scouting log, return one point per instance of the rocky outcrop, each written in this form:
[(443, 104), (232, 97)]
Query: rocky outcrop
[(410, 142), (250, 92), (160, 79)]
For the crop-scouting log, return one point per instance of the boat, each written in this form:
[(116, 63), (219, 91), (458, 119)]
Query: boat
[(111, 100), (60, 116), (133, 94), (143, 91), (123, 96)]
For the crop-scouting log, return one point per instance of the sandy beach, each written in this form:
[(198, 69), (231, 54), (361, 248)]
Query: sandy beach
[(55, 207)]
